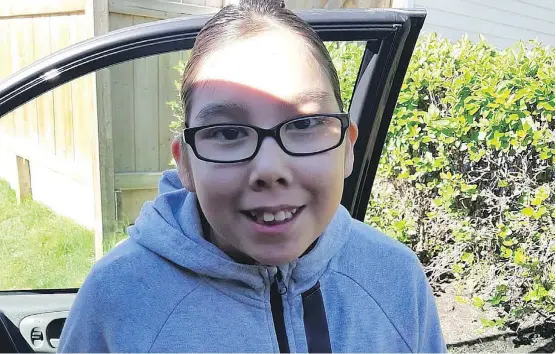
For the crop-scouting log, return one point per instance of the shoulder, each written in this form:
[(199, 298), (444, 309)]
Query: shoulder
[(379, 264), (129, 293), (130, 272), (392, 276)]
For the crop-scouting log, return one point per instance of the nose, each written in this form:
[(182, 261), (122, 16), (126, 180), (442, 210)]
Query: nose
[(269, 167)]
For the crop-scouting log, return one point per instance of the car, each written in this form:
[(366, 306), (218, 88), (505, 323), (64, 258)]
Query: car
[(32, 320)]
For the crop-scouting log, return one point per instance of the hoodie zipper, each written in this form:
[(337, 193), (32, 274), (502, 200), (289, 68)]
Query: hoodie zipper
[(277, 289)]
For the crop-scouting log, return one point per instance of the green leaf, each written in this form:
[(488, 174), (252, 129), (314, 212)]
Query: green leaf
[(519, 256), (544, 155), (468, 187), (509, 242), (457, 268), (468, 257), (478, 302), (487, 323), (528, 211), (539, 213), (546, 105), (505, 252), (400, 225)]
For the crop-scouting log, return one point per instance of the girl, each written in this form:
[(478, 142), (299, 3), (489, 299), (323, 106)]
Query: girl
[(247, 248)]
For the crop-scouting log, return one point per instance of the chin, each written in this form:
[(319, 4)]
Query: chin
[(270, 259)]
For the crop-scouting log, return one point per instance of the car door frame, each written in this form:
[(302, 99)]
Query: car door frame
[(390, 37)]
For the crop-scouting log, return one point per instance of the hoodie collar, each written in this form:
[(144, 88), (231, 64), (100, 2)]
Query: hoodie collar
[(170, 226)]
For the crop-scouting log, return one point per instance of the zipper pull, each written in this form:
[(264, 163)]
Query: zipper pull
[(282, 288)]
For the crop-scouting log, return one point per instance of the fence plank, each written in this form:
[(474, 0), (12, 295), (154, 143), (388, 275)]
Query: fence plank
[(28, 8), (132, 202), (30, 108), (145, 79), (63, 126), (123, 124), (16, 28), (81, 94), (45, 103), (137, 180), (7, 122), (157, 9), (166, 92)]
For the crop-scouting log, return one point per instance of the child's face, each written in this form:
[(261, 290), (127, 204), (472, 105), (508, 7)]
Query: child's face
[(269, 78)]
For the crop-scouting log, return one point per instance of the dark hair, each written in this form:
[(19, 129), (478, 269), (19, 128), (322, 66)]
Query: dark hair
[(247, 19)]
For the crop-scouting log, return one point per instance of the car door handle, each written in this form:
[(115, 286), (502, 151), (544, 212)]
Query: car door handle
[(42, 331)]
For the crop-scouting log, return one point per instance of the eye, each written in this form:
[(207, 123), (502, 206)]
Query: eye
[(306, 123), (224, 133)]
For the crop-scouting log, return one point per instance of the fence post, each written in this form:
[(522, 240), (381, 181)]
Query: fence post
[(23, 186), (103, 153)]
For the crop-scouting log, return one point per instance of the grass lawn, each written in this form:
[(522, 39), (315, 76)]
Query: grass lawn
[(39, 249)]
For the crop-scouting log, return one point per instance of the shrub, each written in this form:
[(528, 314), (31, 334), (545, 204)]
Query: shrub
[(466, 172)]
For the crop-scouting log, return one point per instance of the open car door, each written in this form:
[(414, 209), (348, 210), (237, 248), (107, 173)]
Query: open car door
[(32, 320)]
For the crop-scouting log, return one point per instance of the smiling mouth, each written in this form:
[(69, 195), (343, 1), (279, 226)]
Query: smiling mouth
[(268, 218)]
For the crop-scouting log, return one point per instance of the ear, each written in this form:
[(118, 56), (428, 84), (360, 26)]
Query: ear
[(184, 167), (351, 137)]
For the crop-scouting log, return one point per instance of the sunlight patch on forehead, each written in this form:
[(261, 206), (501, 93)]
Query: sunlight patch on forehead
[(277, 62)]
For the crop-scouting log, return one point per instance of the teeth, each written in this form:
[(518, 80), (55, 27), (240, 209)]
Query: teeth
[(269, 217), (280, 216)]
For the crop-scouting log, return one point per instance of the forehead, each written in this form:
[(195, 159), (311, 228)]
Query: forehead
[(277, 63)]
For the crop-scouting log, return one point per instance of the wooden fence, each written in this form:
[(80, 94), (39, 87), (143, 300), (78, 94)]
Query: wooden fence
[(48, 147), (142, 138), (93, 149)]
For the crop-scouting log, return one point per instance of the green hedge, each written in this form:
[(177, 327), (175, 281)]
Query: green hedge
[(466, 174)]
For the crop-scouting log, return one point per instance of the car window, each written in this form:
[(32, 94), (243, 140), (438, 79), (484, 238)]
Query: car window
[(48, 151)]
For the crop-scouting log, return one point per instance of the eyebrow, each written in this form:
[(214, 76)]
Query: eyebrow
[(311, 97), (237, 111), (226, 108)]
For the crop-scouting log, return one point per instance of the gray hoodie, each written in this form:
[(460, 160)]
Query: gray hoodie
[(168, 289)]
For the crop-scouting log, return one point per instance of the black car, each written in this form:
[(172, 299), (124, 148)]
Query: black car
[(32, 320)]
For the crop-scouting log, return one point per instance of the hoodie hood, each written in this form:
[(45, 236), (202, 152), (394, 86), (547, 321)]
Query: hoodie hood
[(170, 226)]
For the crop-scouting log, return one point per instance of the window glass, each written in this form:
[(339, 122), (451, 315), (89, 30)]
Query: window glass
[(48, 149)]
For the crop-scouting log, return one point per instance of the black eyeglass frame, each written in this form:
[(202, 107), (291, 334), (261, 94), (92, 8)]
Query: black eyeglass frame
[(188, 135)]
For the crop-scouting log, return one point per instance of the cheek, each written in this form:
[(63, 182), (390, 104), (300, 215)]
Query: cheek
[(323, 174), (216, 183)]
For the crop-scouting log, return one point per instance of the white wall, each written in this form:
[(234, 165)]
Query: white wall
[(501, 22)]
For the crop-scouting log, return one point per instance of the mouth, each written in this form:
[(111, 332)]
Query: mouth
[(273, 216)]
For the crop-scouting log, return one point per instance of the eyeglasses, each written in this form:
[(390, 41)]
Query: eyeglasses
[(301, 136)]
